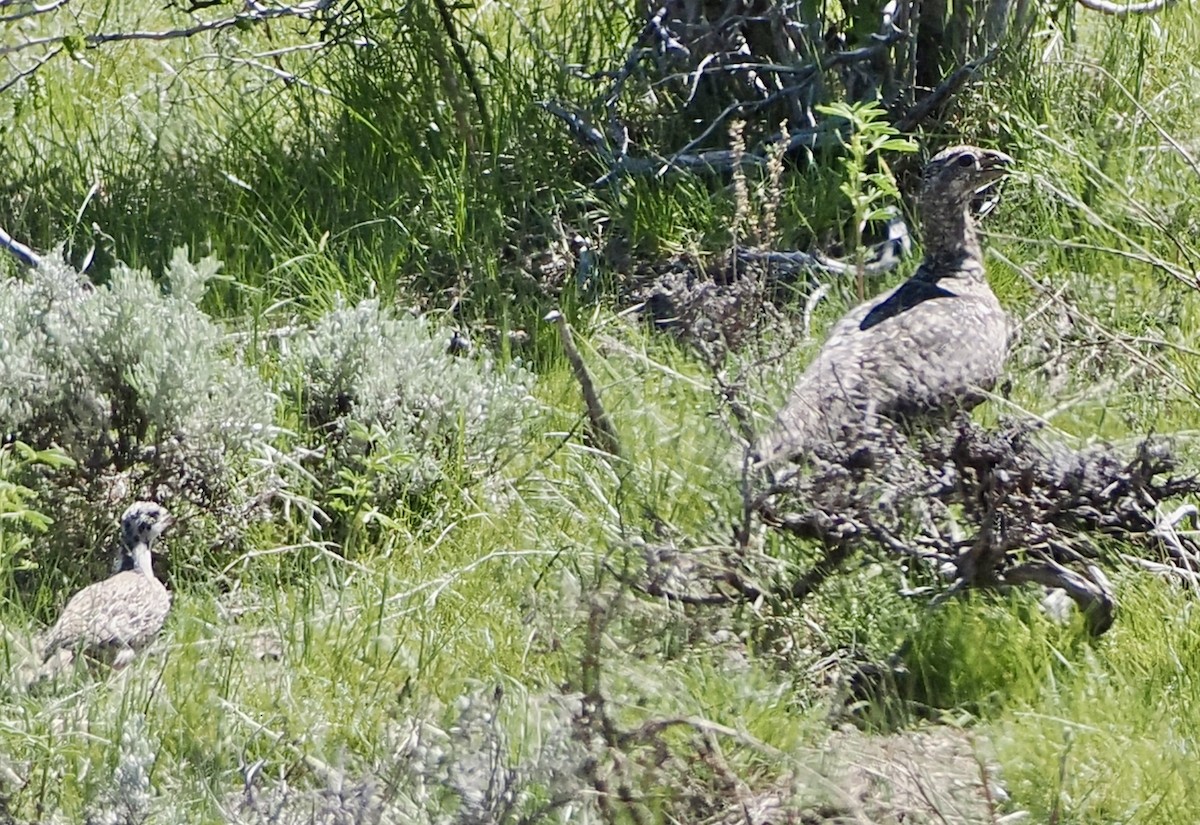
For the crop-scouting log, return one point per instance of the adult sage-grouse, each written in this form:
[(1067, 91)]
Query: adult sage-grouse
[(111, 620), (931, 345)]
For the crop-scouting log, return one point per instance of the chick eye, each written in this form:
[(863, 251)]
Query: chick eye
[(965, 160)]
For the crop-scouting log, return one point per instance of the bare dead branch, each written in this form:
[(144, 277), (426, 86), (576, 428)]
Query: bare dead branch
[(944, 91), (1124, 10), (579, 126), (810, 304), (1189, 577), (1092, 593), (254, 13), (602, 428), (882, 257), (465, 65), (31, 70), (825, 135), (704, 64), (19, 250), (254, 62), (991, 508), (32, 10)]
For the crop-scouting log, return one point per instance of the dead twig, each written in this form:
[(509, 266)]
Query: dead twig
[(1119, 10), (944, 91), (31, 10), (19, 250), (254, 13), (602, 428)]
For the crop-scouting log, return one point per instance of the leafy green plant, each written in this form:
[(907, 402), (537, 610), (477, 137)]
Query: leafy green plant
[(19, 516), (868, 182)]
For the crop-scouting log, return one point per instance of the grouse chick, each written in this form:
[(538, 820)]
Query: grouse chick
[(111, 620), (933, 344)]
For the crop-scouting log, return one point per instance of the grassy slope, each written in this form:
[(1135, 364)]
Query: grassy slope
[(480, 591)]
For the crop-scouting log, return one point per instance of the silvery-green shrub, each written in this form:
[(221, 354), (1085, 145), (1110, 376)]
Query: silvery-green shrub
[(138, 387), (126, 798), (108, 372), (384, 394)]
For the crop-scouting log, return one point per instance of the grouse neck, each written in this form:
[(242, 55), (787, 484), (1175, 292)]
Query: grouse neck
[(140, 553), (951, 241)]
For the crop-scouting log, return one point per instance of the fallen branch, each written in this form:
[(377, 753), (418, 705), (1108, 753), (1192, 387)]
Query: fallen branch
[(1190, 577), (19, 250), (602, 428), (1119, 10), (973, 507), (1092, 593), (882, 257)]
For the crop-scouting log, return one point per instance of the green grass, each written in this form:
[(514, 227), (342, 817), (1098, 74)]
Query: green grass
[(1113, 739), (310, 199)]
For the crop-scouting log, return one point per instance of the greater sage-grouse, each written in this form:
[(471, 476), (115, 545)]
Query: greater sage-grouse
[(111, 620), (932, 345)]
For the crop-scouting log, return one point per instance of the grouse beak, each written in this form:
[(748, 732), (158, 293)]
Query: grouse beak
[(995, 165)]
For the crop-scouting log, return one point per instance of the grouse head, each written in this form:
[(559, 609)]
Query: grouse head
[(956, 174), (143, 522)]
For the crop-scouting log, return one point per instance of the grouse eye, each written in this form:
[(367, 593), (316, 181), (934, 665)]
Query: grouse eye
[(966, 160)]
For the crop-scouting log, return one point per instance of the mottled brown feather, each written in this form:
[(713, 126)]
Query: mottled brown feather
[(111, 619), (932, 345), (124, 611)]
